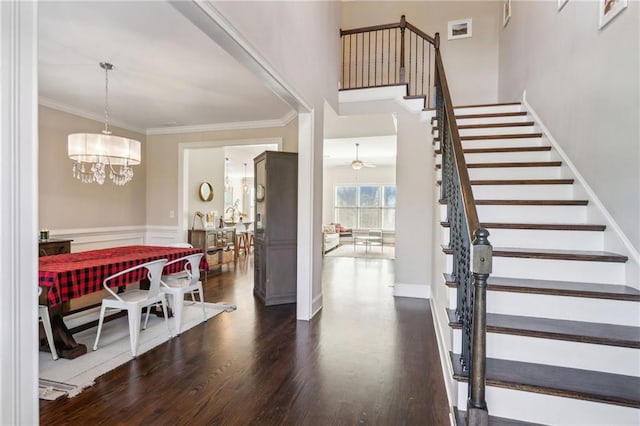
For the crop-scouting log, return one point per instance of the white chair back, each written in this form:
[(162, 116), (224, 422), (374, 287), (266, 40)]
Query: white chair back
[(154, 272), (180, 245)]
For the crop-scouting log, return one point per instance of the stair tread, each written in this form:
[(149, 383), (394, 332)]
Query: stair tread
[(584, 255), (519, 182), (539, 226), (535, 148), (576, 331), (490, 125), (561, 288), (527, 202), (488, 105), (514, 164), (461, 420), (567, 382)]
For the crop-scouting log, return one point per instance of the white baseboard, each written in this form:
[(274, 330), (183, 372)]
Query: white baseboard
[(416, 291), (447, 371), (316, 305)]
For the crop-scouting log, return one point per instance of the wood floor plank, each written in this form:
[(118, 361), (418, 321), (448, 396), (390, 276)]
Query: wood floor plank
[(355, 362), (574, 331), (588, 385)]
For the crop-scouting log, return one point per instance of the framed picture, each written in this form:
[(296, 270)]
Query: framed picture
[(459, 29), (506, 11), (609, 9), (561, 3)]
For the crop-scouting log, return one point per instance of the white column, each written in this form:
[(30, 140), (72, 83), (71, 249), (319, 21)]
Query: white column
[(19, 213)]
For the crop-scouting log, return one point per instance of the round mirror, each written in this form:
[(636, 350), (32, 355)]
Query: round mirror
[(206, 191)]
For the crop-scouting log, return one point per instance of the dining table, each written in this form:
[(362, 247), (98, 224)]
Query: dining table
[(68, 276)]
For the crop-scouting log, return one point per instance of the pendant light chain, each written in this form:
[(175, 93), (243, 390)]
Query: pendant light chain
[(106, 66)]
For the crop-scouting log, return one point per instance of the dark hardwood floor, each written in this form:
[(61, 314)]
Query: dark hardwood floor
[(366, 358)]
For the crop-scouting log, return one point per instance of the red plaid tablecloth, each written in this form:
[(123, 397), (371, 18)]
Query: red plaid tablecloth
[(73, 275)]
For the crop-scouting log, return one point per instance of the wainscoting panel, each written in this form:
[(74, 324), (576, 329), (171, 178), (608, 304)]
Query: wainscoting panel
[(97, 238)]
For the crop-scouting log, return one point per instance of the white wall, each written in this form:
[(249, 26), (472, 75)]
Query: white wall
[(583, 82), (339, 175), (471, 63), (414, 181)]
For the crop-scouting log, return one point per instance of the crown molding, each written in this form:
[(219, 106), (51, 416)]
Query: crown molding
[(50, 103), (235, 125)]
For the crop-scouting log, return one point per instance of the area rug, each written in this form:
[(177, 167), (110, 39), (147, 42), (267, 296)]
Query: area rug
[(373, 252), (70, 376)]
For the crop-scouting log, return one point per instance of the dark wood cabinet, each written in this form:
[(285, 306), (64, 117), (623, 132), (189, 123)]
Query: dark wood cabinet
[(53, 246), (217, 244), (276, 227)]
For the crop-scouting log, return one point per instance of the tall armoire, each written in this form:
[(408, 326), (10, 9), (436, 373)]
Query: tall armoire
[(276, 227)]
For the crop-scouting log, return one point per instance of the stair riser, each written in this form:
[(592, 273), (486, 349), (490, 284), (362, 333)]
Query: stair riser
[(585, 309), (488, 120), (586, 356), (490, 109), (559, 270), (530, 192), (512, 173), (413, 105), (506, 157), (512, 130), (542, 239), (503, 143), (552, 410), (528, 214)]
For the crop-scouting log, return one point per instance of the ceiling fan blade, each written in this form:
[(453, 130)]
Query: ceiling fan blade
[(369, 165)]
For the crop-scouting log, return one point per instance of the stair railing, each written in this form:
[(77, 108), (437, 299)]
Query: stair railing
[(387, 55), (365, 65)]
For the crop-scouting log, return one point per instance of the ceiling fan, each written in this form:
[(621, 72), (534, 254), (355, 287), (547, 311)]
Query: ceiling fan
[(357, 164)]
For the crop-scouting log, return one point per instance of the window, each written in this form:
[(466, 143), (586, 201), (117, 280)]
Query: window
[(366, 206)]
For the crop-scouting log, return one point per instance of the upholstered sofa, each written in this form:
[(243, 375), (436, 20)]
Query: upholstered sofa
[(330, 238)]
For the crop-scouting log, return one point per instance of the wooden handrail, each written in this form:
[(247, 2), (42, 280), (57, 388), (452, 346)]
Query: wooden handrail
[(470, 210), (422, 34), (368, 29)]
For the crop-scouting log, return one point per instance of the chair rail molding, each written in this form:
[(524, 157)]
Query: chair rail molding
[(19, 215)]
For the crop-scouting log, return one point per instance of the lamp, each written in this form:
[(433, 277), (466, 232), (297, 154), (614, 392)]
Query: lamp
[(227, 182), (201, 216), (245, 187), (92, 152), (357, 164)]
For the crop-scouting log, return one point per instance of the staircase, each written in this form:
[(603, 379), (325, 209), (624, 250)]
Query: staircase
[(563, 328)]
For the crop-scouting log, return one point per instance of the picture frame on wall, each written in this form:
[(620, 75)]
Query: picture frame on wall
[(609, 9), (506, 12), (561, 3), (462, 28)]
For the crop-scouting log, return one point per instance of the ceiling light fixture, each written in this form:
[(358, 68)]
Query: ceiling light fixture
[(357, 164), (92, 152), (227, 183), (245, 186)]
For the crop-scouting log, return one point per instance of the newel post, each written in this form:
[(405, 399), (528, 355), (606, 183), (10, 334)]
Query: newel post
[(403, 26), (477, 412), (436, 43)]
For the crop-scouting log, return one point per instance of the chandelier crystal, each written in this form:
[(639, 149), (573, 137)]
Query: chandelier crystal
[(95, 153)]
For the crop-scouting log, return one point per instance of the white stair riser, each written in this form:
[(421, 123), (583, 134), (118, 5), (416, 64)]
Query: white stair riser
[(511, 130), (562, 353), (585, 309), (503, 143), (489, 109), (541, 239), (528, 192), (488, 120), (505, 157), (560, 270), (512, 173), (413, 105), (528, 214), (552, 410)]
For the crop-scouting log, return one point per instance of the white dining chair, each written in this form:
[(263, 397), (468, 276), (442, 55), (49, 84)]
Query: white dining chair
[(133, 301), (43, 315), (180, 286)]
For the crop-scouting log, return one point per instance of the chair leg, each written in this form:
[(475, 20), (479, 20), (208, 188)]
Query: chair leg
[(134, 329), (146, 318), (178, 304), (100, 322), (204, 313), (46, 323), (166, 317)]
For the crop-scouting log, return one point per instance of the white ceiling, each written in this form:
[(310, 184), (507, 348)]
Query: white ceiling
[(166, 71), (377, 150)]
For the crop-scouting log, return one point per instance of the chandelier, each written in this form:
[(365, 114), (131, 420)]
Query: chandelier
[(95, 153)]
